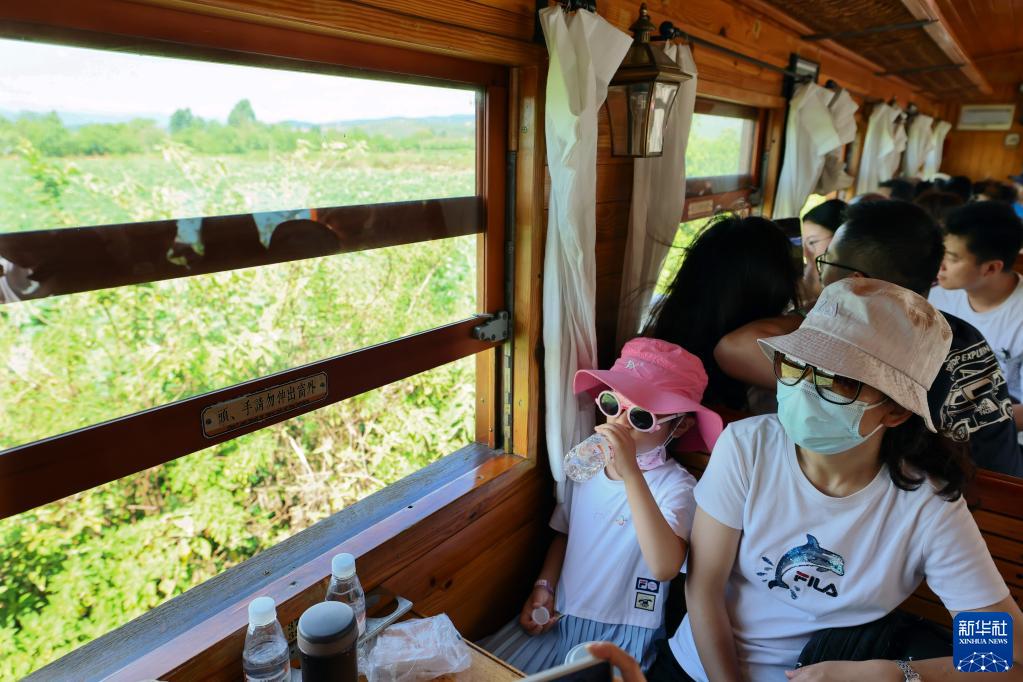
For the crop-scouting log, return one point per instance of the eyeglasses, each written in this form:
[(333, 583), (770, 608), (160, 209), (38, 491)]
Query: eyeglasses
[(641, 420), (834, 388), (819, 260)]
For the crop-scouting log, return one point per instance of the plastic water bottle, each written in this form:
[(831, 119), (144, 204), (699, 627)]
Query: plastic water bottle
[(265, 657), (345, 587), (584, 460)]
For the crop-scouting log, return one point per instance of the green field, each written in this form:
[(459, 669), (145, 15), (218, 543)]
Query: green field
[(77, 568)]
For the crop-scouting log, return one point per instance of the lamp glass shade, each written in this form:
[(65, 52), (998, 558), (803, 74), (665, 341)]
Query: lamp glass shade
[(638, 113)]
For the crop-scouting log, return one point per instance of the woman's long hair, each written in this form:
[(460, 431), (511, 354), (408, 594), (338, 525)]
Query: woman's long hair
[(737, 270), (914, 454)]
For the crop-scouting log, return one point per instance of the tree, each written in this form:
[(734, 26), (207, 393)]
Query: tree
[(242, 114), (181, 119)]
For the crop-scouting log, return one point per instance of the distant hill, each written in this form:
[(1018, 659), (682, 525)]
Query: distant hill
[(398, 127), (75, 119)]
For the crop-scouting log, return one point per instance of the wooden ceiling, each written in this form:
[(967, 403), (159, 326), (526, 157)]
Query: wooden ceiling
[(948, 48)]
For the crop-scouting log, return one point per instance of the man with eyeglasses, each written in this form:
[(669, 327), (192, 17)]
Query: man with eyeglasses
[(898, 242)]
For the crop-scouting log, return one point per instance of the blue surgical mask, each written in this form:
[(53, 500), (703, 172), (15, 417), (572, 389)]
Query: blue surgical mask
[(818, 425)]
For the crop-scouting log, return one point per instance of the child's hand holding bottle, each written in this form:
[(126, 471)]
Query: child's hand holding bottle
[(624, 448), (540, 603)]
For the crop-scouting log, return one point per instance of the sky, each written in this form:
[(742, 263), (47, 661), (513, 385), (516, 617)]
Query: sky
[(40, 77)]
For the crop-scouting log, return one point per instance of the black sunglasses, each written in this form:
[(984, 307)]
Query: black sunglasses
[(820, 262)]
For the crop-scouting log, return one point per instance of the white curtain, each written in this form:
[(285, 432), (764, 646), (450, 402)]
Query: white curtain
[(877, 145), (843, 116), (918, 145), (809, 135), (658, 196), (899, 139), (585, 50), (932, 164)]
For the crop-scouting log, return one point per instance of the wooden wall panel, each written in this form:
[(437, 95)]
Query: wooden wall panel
[(981, 154)]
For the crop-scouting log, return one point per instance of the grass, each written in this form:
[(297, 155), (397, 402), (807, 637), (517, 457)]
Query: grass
[(79, 567)]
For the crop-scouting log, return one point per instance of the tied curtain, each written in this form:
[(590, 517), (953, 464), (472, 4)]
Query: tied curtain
[(809, 135), (658, 200), (918, 146), (932, 164), (878, 147), (585, 51), (843, 115)]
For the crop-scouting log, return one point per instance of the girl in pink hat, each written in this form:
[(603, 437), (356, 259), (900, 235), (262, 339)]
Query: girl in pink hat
[(621, 535)]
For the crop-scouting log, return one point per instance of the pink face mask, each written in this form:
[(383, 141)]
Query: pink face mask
[(651, 459)]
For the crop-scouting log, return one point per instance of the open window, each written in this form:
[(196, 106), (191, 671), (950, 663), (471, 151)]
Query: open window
[(238, 295), (722, 169)]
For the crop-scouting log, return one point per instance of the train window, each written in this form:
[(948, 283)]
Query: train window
[(233, 301), (90, 137), (720, 172)]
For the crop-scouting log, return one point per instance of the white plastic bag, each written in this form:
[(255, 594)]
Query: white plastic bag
[(415, 650)]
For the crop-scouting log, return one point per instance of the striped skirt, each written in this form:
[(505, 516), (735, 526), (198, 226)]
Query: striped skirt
[(533, 654)]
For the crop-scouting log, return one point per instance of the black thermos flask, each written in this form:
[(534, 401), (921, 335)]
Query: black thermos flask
[(327, 638)]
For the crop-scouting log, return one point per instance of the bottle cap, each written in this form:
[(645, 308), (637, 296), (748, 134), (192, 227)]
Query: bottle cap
[(262, 610), (342, 565), (327, 628), (541, 616)]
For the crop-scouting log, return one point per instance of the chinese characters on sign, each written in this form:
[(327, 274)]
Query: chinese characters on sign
[(982, 641), (260, 405)]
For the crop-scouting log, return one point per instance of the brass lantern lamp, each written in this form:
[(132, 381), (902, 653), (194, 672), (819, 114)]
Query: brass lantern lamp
[(641, 94)]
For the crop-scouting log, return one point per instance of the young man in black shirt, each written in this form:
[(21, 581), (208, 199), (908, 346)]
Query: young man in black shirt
[(898, 242)]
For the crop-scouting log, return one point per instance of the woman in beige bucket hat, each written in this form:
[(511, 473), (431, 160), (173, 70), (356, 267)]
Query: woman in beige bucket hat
[(830, 513)]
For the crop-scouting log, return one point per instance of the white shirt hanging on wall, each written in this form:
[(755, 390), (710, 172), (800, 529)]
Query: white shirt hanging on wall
[(843, 116), (918, 145), (585, 51), (877, 145), (809, 135), (932, 163)]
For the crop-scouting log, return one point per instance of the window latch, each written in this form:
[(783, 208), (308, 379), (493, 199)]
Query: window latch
[(495, 328)]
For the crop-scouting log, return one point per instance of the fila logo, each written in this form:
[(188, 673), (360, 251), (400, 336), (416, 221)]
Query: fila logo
[(815, 582)]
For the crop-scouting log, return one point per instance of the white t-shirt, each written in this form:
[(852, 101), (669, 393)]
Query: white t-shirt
[(807, 562), (604, 577), (1002, 329)]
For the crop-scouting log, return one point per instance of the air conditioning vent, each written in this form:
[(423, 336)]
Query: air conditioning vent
[(986, 116)]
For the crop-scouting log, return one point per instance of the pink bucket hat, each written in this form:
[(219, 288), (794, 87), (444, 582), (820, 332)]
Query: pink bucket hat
[(876, 332), (662, 378)]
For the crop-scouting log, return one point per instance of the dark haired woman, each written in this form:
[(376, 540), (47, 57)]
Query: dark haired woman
[(819, 225), (737, 270), (832, 512)]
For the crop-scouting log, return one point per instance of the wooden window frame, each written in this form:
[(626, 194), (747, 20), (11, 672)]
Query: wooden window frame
[(725, 192), (52, 468), (204, 628)]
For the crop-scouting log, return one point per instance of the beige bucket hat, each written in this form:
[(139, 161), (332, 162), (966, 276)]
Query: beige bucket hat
[(877, 332)]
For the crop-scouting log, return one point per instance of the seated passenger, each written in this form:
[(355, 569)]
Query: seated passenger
[(898, 242), (977, 284), (1017, 183), (938, 205), (831, 513), (737, 270), (897, 188), (959, 185), (623, 534), (819, 225)]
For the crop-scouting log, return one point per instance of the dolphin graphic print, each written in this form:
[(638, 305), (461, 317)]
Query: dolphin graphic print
[(810, 554)]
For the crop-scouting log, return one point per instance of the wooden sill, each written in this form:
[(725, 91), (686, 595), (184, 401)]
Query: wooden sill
[(202, 631)]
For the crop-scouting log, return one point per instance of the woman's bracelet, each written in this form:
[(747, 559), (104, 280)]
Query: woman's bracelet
[(545, 585), (907, 671)]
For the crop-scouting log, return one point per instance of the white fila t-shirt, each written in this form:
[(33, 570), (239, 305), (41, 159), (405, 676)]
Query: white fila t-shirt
[(1002, 329), (807, 562), (604, 577)]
